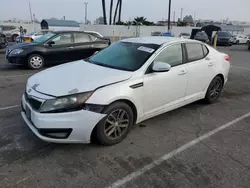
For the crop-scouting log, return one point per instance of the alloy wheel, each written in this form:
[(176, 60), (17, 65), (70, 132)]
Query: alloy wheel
[(36, 62), (116, 124), (215, 90)]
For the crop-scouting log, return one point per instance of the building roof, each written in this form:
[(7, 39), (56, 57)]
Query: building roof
[(152, 40), (61, 23)]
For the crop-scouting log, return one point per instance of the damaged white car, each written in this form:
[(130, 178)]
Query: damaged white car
[(128, 82)]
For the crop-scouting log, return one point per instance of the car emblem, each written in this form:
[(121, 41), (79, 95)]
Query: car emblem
[(35, 86)]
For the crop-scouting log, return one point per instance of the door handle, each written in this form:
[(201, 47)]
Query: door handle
[(182, 72), (210, 64), (92, 45), (71, 47)]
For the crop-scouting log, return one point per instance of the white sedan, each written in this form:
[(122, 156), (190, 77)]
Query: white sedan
[(130, 81)]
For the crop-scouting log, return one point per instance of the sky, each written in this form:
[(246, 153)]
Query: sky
[(153, 10)]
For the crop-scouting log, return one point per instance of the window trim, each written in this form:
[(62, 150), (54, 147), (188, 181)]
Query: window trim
[(148, 69), (204, 46), (187, 60)]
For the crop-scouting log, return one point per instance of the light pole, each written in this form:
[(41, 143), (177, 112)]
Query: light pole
[(86, 12), (181, 13), (169, 13)]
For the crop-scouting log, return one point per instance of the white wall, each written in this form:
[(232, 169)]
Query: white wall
[(126, 31)]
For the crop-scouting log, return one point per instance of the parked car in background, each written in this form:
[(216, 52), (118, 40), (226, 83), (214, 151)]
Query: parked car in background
[(130, 81), (240, 39), (54, 48), (185, 35), (224, 38), (201, 36), (156, 33), (167, 34), (11, 32), (29, 37), (3, 41)]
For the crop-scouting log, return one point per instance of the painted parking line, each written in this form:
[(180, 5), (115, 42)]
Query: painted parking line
[(157, 162), (9, 107), (240, 68), (13, 76)]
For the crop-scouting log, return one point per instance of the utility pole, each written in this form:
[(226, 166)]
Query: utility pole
[(181, 13), (86, 12), (169, 14), (174, 17), (30, 13)]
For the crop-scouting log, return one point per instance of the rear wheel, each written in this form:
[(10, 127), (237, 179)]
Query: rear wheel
[(116, 125), (214, 90), (35, 61)]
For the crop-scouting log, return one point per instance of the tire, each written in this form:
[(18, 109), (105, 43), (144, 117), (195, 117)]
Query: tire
[(214, 90), (104, 128), (35, 61), (248, 46), (237, 42), (13, 38)]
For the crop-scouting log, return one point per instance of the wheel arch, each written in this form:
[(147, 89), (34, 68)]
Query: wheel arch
[(126, 101), (35, 52)]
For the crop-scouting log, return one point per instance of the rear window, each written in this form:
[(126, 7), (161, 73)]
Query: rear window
[(224, 34), (194, 51)]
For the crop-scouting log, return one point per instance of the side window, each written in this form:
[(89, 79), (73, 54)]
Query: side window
[(205, 50), (82, 37), (194, 51), (171, 55), (64, 38)]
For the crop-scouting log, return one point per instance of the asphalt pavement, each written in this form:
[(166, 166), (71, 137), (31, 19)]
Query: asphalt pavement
[(197, 145)]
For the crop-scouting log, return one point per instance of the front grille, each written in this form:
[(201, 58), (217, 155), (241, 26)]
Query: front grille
[(35, 104)]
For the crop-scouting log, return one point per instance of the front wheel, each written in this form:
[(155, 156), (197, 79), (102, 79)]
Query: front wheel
[(35, 61), (214, 90), (116, 125)]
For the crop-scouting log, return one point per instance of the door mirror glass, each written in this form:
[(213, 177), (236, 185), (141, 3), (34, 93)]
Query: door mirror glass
[(161, 67)]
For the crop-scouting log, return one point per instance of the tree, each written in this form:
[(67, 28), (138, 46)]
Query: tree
[(120, 11), (104, 12), (110, 12), (116, 11), (188, 19), (139, 20)]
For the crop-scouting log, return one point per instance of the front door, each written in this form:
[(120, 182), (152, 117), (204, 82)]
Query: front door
[(61, 50), (165, 89)]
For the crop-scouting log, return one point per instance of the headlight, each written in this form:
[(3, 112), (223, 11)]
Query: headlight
[(16, 51), (64, 104)]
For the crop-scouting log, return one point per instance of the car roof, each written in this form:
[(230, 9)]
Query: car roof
[(159, 40), (67, 31)]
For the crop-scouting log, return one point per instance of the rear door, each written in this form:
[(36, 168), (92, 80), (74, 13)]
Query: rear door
[(201, 68), (61, 50), (85, 45)]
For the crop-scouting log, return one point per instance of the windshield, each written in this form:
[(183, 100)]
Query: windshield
[(124, 55), (44, 38)]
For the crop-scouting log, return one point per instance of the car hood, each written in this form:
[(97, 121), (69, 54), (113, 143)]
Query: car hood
[(21, 45), (75, 77)]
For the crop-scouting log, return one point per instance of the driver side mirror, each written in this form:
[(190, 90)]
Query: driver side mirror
[(161, 67), (50, 43)]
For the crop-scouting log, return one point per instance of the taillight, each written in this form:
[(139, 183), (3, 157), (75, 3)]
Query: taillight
[(227, 58)]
